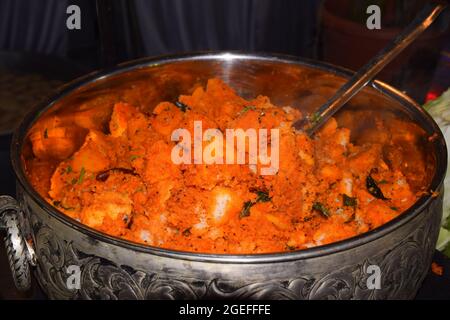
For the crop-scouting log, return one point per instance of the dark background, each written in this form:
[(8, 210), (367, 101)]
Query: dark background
[(317, 29), (155, 27)]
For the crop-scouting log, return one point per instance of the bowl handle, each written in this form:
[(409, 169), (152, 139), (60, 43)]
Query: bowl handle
[(20, 253)]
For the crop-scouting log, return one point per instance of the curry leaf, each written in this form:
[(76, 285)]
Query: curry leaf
[(261, 195), (81, 177), (321, 208), (349, 201), (245, 212), (315, 117), (134, 157), (247, 108), (373, 188)]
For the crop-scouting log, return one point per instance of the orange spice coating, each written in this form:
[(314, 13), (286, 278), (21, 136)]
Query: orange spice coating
[(437, 269), (151, 200)]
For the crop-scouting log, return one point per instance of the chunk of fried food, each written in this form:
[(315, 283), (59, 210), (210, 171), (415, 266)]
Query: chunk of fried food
[(58, 136), (109, 211), (57, 143)]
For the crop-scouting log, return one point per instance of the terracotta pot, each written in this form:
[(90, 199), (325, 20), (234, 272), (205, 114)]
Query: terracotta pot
[(351, 45)]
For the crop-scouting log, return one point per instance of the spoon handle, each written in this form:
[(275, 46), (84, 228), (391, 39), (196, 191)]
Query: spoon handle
[(369, 70)]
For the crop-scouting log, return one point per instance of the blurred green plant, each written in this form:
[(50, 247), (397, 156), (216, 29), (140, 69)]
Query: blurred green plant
[(439, 109)]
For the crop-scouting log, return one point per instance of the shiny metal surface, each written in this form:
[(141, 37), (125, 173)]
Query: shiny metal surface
[(115, 268), (20, 256)]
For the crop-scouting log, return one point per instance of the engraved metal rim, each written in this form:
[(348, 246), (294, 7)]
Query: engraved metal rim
[(427, 123)]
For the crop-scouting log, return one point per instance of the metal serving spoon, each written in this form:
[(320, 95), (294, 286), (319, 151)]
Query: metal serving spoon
[(424, 19)]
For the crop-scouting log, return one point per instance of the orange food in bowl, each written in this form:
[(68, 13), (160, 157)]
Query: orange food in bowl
[(124, 182)]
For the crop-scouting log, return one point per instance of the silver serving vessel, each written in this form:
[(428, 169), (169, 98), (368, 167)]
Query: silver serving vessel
[(45, 242)]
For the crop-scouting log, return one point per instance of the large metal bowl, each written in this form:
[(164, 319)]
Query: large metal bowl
[(388, 262)]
